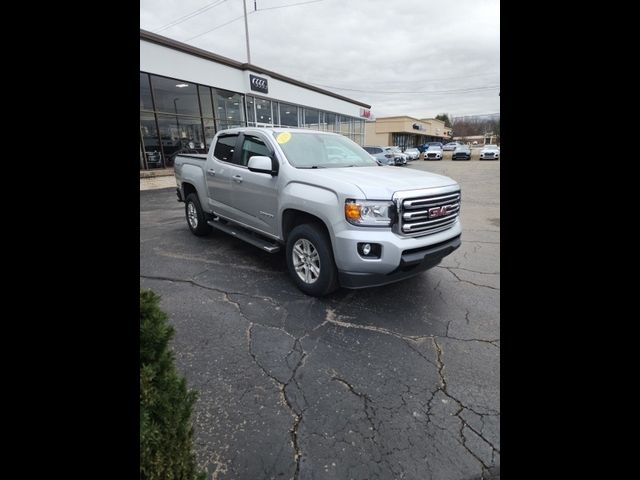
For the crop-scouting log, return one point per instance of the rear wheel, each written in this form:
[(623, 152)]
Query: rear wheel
[(196, 218), (310, 260)]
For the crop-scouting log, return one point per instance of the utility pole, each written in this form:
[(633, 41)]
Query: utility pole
[(246, 29)]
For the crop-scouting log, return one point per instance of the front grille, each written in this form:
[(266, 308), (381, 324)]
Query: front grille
[(415, 219), (431, 155)]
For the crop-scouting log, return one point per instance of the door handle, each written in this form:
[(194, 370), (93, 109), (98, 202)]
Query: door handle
[(211, 172), (237, 178)]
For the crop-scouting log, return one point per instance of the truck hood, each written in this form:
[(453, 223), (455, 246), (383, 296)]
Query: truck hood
[(380, 183)]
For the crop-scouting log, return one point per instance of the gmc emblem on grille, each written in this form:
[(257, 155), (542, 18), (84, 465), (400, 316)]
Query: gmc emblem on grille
[(438, 211), (259, 84)]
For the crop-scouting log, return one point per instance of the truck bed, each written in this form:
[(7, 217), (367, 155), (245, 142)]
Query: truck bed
[(195, 160)]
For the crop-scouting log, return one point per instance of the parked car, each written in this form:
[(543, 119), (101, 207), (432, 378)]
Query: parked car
[(434, 152), (398, 153), (384, 157), (413, 153), (424, 146), (490, 152), (462, 152), (277, 189), (451, 146)]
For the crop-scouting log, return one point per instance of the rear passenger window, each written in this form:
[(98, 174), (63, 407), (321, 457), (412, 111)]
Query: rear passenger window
[(225, 147)]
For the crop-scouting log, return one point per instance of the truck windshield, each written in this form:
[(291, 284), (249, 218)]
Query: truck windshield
[(318, 150)]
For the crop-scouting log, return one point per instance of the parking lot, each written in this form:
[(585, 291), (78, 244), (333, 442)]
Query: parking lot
[(400, 381)]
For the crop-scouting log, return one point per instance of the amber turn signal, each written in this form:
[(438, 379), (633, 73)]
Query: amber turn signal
[(352, 211)]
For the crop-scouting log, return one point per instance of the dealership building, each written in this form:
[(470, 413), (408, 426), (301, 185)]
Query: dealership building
[(187, 94), (406, 132)]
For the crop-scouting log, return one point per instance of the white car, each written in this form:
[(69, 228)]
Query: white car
[(434, 152), (398, 153), (490, 152), (413, 153)]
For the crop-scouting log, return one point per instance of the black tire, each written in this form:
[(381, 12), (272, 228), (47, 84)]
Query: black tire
[(327, 280), (198, 224)]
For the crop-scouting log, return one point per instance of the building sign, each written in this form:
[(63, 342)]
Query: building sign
[(365, 113), (259, 84)]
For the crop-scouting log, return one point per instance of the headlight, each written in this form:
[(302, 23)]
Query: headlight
[(369, 213)]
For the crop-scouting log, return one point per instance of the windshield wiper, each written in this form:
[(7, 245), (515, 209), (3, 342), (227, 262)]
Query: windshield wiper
[(313, 166)]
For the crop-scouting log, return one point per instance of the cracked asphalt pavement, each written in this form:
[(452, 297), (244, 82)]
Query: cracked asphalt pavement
[(394, 382)]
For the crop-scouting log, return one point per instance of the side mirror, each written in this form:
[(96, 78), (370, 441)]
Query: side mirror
[(260, 164)]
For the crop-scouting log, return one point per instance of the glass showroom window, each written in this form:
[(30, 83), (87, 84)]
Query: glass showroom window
[(251, 113), (229, 109), (209, 131), (275, 118), (311, 119), (145, 93), (206, 103), (150, 141), (175, 96), (288, 115), (345, 125), (358, 126), (358, 131), (263, 111), (330, 121), (178, 135)]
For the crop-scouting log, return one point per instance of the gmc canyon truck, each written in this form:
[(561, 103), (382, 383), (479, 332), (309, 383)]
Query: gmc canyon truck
[(342, 218)]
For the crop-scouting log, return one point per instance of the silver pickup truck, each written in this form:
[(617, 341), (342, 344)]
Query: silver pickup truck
[(343, 219)]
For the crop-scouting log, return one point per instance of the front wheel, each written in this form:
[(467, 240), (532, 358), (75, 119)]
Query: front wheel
[(310, 260), (196, 218)]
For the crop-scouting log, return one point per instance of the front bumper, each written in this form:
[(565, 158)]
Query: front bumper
[(411, 263), (397, 254)]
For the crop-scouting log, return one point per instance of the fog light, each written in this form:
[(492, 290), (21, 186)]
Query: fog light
[(369, 250)]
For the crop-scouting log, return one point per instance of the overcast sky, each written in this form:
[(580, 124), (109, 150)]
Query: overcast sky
[(446, 54)]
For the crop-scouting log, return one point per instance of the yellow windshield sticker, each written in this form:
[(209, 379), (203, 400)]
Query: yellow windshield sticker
[(284, 137)]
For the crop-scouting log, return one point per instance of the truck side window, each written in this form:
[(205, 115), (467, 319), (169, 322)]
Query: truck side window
[(225, 147), (253, 146)]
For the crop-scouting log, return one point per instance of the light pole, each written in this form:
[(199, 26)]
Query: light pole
[(246, 30)]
